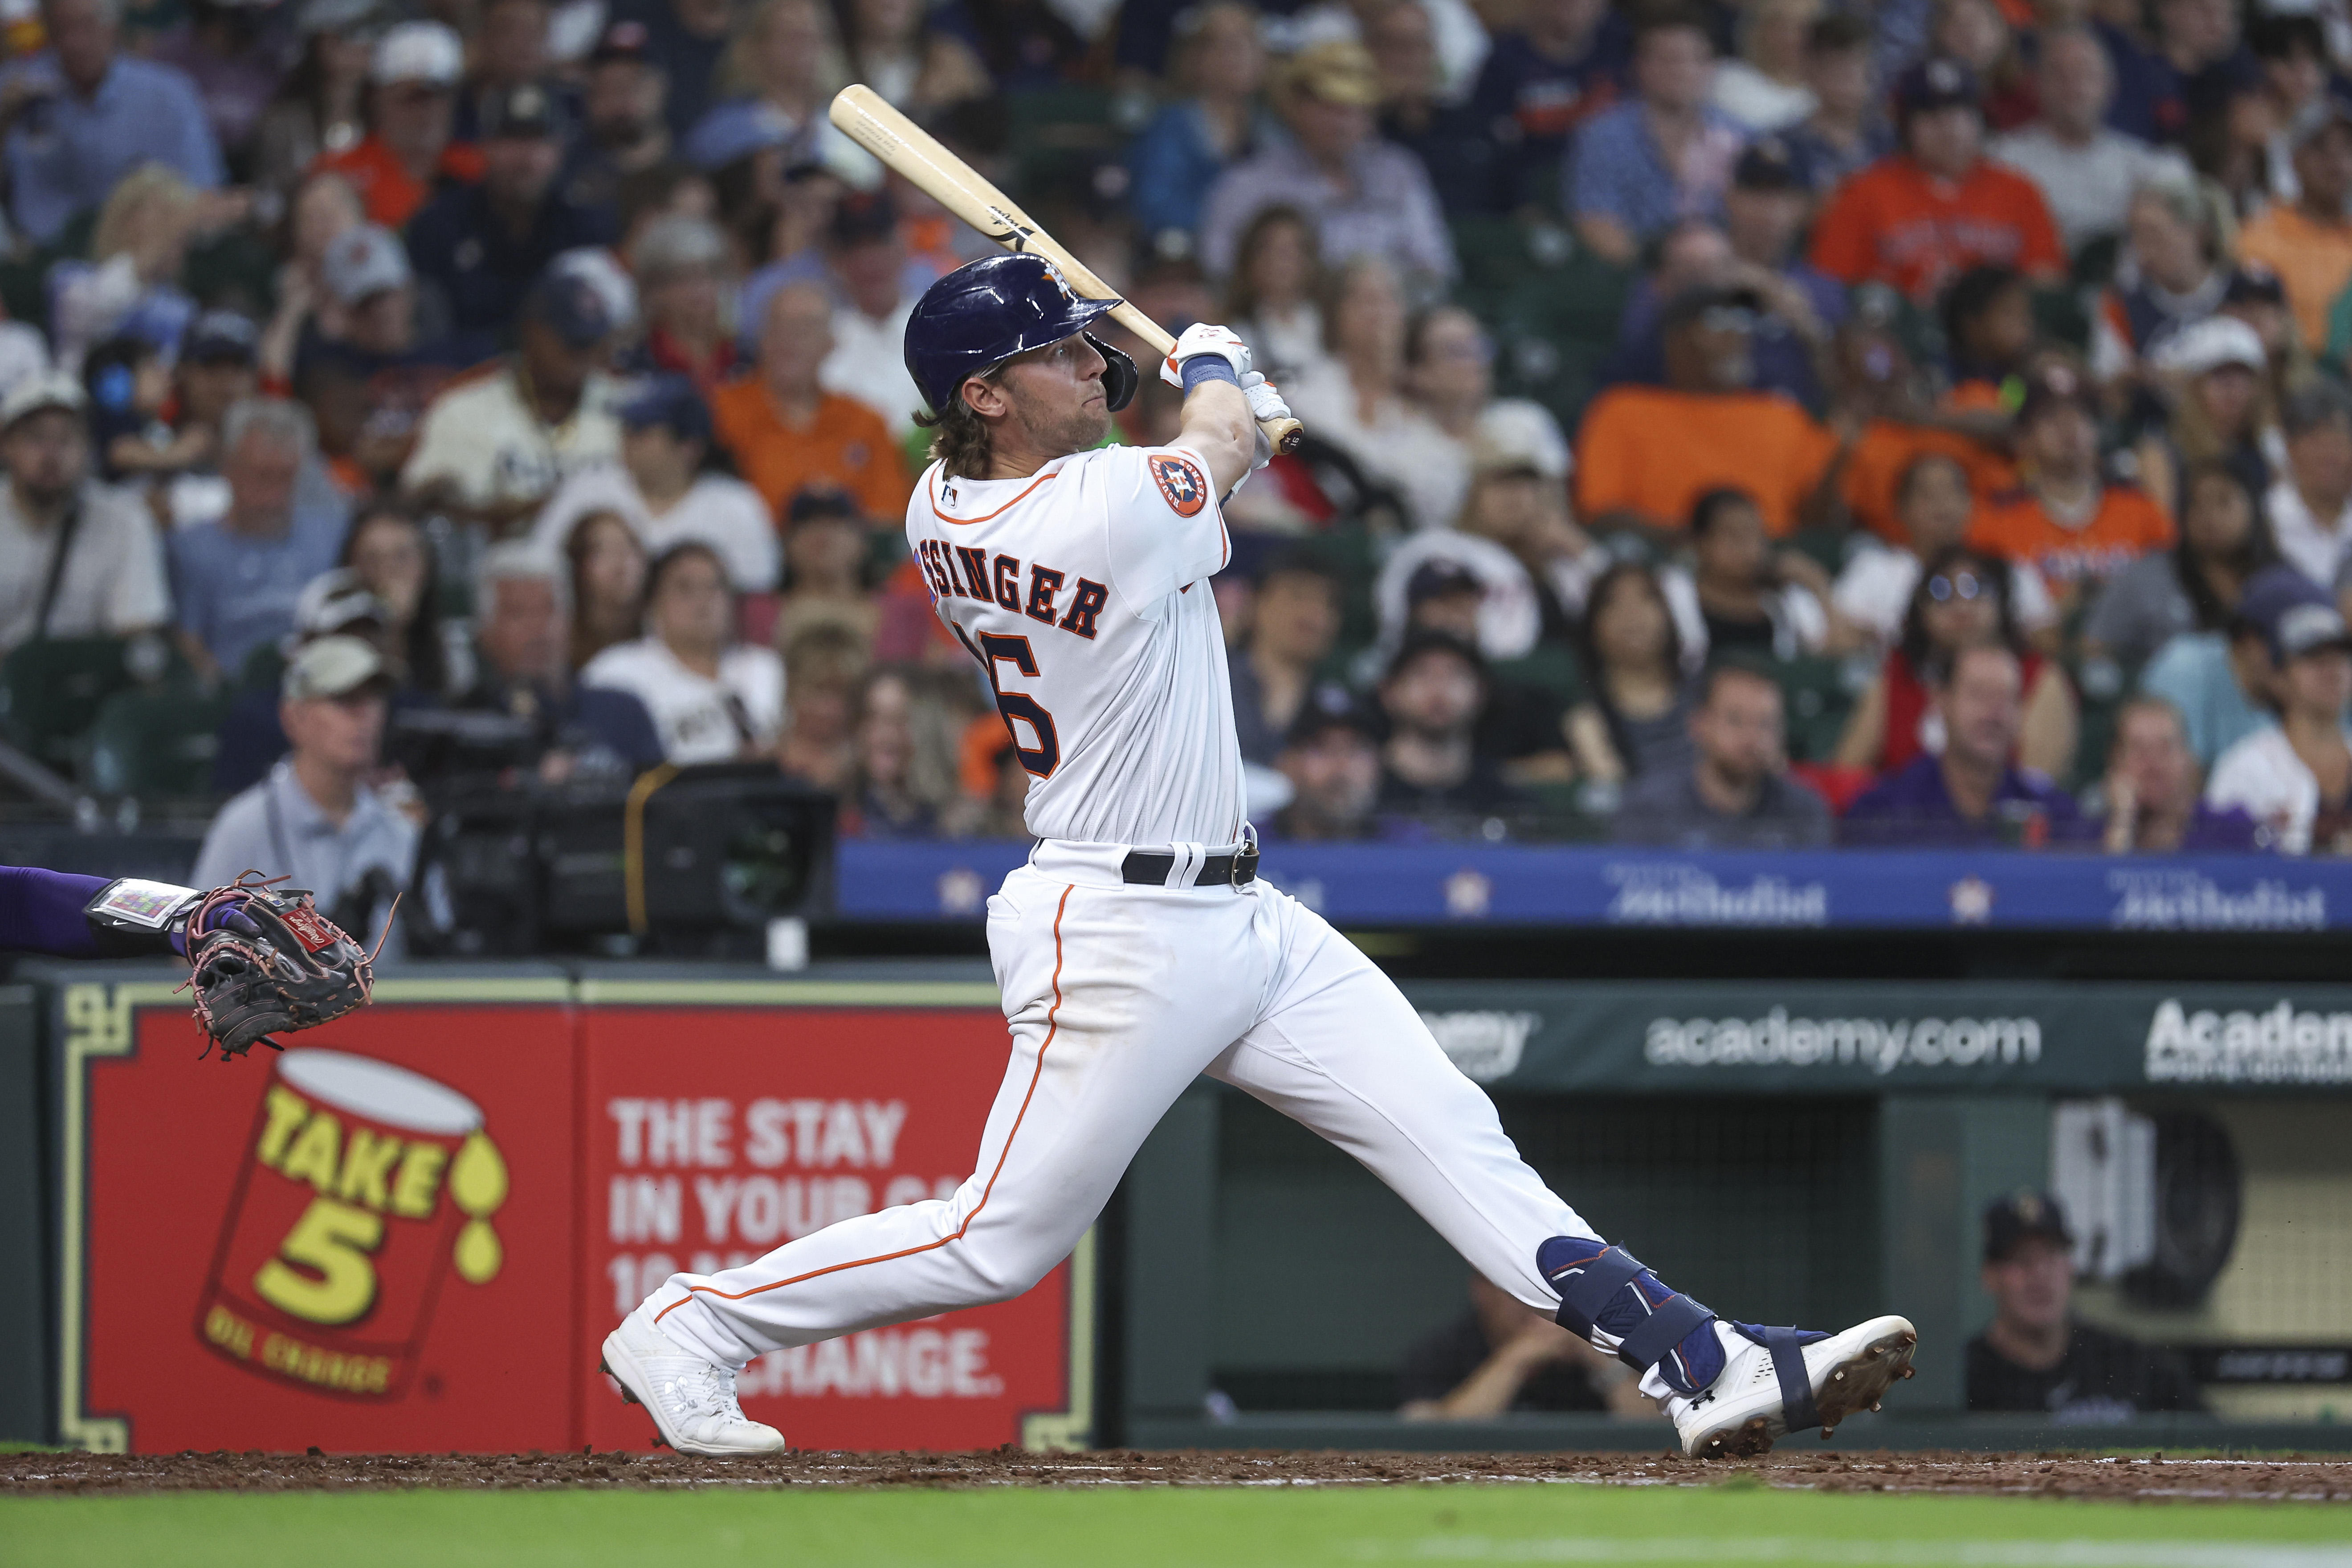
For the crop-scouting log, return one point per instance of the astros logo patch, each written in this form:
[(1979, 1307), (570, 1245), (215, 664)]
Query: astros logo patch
[(1181, 483)]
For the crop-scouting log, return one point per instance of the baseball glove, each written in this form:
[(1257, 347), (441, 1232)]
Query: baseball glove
[(264, 961)]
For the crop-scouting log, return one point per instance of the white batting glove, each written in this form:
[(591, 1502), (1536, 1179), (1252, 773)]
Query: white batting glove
[(1265, 404), (1204, 338)]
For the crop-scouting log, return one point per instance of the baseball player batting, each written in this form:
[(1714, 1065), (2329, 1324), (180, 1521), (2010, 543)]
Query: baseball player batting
[(1137, 948)]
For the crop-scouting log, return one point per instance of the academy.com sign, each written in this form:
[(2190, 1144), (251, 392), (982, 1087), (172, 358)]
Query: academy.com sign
[(2283, 1045), (1880, 1045)]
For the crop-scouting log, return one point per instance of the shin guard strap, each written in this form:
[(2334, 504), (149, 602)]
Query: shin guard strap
[(1786, 1346), (1585, 1288), (1669, 1322)]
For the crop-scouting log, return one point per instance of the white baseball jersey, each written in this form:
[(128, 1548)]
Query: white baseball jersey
[(1084, 590)]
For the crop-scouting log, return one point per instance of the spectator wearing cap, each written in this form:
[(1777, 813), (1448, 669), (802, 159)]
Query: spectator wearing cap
[(2035, 1354), (2151, 791), (1331, 759), (712, 698), (250, 739), (1737, 793), (687, 39), (236, 578), (322, 105), (523, 612), (1973, 792), (670, 485), (622, 130), (1564, 62), (315, 819), (1694, 255), (2064, 519), (2215, 378), (1294, 623), (480, 245), (866, 259), (2309, 506), (412, 105), (496, 443), (2195, 586), (1366, 196), (2256, 297), (216, 371), (825, 558), (81, 114), (1664, 153), (2173, 271), (2219, 679), (1645, 454), (1455, 145), (77, 558), (2086, 169), (1175, 161), (509, 51), (2295, 777), (2308, 242), (1432, 768), (786, 432), (1919, 217), (1846, 132), (1766, 87), (1513, 542)]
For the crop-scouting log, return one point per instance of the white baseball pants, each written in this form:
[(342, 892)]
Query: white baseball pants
[(1118, 996)]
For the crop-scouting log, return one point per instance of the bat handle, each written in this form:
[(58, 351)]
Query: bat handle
[(1283, 433)]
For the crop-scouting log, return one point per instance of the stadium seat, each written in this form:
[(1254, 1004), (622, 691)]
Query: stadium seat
[(1818, 692), (2101, 688), (154, 742), (50, 690), (1550, 668)]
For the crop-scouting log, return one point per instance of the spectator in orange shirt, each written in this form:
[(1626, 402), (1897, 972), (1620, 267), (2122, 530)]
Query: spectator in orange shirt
[(786, 432), (1882, 391), (1919, 217), (2308, 242), (412, 103), (1645, 454), (2065, 520)]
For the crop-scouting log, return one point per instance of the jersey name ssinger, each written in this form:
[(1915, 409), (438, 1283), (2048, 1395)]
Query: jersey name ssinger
[(1083, 589)]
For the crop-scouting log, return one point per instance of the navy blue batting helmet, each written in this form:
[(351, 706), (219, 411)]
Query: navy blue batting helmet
[(985, 311)]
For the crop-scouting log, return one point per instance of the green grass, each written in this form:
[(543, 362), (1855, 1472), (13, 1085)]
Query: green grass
[(1227, 1528)]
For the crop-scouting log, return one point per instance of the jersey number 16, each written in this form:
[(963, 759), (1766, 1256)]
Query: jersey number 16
[(1002, 647)]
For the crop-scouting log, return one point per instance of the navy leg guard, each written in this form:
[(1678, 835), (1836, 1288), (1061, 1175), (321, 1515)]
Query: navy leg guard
[(1609, 1289), (1789, 1366)]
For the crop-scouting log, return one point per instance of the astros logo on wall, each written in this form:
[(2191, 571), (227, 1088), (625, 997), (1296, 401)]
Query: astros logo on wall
[(1181, 483)]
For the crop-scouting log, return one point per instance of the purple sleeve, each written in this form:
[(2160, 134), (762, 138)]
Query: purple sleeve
[(41, 911)]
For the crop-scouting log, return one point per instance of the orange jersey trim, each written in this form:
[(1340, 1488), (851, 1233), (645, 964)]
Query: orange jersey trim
[(932, 489), (1052, 1025)]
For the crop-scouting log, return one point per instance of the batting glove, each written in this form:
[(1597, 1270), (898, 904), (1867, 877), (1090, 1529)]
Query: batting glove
[(1265, 404), (1204, 338)]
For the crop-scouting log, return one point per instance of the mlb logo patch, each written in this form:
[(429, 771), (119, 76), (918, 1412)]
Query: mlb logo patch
[(1181, 483)]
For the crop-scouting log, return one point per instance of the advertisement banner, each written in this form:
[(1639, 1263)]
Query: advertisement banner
[(363, 1243), (1473, 884), (715, 1134), (1807, 1037)]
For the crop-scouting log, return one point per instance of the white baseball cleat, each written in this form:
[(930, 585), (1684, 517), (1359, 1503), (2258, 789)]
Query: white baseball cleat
[(692, 1401), (1777, 1379)]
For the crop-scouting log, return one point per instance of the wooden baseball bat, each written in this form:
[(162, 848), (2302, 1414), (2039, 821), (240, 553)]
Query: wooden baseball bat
[(867, 120)]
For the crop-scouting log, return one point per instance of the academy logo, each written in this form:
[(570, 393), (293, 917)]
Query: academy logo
[(1181, 483)]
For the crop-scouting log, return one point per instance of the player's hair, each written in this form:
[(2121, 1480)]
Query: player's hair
[(959, 437)]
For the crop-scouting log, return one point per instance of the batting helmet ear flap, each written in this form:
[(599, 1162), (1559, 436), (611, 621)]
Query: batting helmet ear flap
[(1120, 375)]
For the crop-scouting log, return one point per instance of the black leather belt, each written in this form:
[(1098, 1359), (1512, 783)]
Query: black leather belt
[(1144, 868)]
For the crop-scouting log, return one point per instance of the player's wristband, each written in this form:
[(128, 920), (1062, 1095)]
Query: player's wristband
[(129, 918), (1202, 368)]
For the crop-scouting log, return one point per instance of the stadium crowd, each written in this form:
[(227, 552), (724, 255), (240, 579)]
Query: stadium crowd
[(1763, 424)]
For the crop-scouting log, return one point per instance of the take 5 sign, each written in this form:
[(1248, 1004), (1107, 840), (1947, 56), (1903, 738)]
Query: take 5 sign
[(410, 1230)]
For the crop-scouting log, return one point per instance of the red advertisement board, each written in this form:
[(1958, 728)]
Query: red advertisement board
[(410, 1231), (363, 1244), (711, 1135)]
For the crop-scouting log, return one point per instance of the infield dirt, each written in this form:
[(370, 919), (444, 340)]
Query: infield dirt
[(2046, 1475)]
